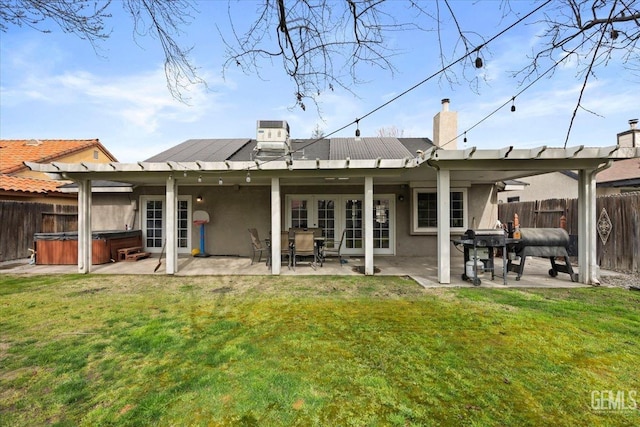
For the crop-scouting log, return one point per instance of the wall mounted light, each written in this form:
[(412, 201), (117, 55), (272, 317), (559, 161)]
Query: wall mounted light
[(248, 179), (198, 198), (220, 181), (184, 174), (401, 198), (200, 178)]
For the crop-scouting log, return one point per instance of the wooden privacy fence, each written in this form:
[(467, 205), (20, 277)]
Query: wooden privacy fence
[(20, 220), (620, 251)]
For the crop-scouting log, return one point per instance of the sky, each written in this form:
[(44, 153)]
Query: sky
[(57, 86)]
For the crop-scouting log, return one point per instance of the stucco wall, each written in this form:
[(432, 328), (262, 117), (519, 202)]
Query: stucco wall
[(114, 211), (234, 209)]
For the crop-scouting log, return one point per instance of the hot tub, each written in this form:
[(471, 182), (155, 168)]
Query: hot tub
[(62, 248)]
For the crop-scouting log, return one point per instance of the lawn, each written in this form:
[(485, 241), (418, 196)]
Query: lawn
[(351, 351)]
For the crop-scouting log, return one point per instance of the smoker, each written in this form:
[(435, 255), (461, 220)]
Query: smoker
[(549, 243), (483, 241)]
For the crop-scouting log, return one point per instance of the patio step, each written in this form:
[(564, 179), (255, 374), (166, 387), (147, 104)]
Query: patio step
[(133, 253)]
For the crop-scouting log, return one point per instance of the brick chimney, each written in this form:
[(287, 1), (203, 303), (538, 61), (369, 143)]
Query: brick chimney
[(631, 137), (445, 128)]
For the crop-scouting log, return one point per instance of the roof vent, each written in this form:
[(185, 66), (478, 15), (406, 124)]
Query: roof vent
[(33, 143)]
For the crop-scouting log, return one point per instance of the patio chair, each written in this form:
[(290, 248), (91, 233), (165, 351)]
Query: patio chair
[(335, 250), (258, 246), (304, 246), (285, 247)]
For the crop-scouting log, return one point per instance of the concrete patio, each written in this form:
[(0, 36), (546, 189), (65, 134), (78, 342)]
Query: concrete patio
[(422, 270)]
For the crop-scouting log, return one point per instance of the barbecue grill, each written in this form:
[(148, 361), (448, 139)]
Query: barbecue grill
[(549, 243), (483, 242)]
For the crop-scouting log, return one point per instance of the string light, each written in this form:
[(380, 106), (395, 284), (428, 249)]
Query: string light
[(357, 128), (428, 78), (513, 104)]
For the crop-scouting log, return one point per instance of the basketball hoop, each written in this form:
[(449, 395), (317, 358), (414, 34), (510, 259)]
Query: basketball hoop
[(201, 218)]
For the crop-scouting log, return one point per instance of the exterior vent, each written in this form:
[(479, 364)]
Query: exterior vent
[(273, 135), (33, 143)]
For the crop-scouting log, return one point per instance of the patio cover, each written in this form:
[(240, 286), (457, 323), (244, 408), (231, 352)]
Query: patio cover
[(472, 164)]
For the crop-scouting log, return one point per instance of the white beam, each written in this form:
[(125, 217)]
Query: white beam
[(171, 248), (587, 257), (367, 213), (85, 254), (444, 225), (276, 226)]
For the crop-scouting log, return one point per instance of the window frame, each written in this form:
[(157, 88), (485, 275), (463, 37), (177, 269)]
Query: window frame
[(415, 229)]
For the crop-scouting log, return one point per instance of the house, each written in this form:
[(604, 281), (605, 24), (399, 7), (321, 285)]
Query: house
[(394, 196), (18, 182), (619, 177)]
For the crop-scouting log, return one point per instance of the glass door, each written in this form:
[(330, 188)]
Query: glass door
[(383, 214), (153, 223), (325, 210), (153, 227), (313, 212), (354, 226), (333, 213)]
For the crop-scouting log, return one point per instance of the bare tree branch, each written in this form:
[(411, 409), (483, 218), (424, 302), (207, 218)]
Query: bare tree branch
[(165, 22)]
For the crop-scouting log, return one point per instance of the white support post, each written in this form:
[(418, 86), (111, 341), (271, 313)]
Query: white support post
[(367, 213), (587, 257), (85, 254), (276, 226), (171, 248), (444, 225)]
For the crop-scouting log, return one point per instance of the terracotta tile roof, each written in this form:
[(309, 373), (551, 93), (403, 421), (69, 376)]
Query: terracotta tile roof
[(29, 185), (620, 170), (15, 151)]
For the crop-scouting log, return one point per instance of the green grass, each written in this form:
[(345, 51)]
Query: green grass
[(349, 351)]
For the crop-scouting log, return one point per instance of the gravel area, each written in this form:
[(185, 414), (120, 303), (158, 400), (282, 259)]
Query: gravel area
[(621, 280)]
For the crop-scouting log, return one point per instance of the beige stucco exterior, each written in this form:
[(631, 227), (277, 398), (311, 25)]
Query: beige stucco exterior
[(235, 208)]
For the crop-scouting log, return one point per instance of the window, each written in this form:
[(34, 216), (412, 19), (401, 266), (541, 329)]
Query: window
[(425, 210), (96, 154)]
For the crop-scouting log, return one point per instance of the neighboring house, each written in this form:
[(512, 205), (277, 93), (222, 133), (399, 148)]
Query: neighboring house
[(393, 196), (621, 176), (18, 182), (554, 185)]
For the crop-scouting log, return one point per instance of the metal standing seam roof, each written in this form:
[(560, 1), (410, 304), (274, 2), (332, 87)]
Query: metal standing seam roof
[(367, 148), (207, 150)]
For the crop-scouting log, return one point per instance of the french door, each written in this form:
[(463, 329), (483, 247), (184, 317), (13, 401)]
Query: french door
[(314, 212), (334, 213), (153, 223)]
